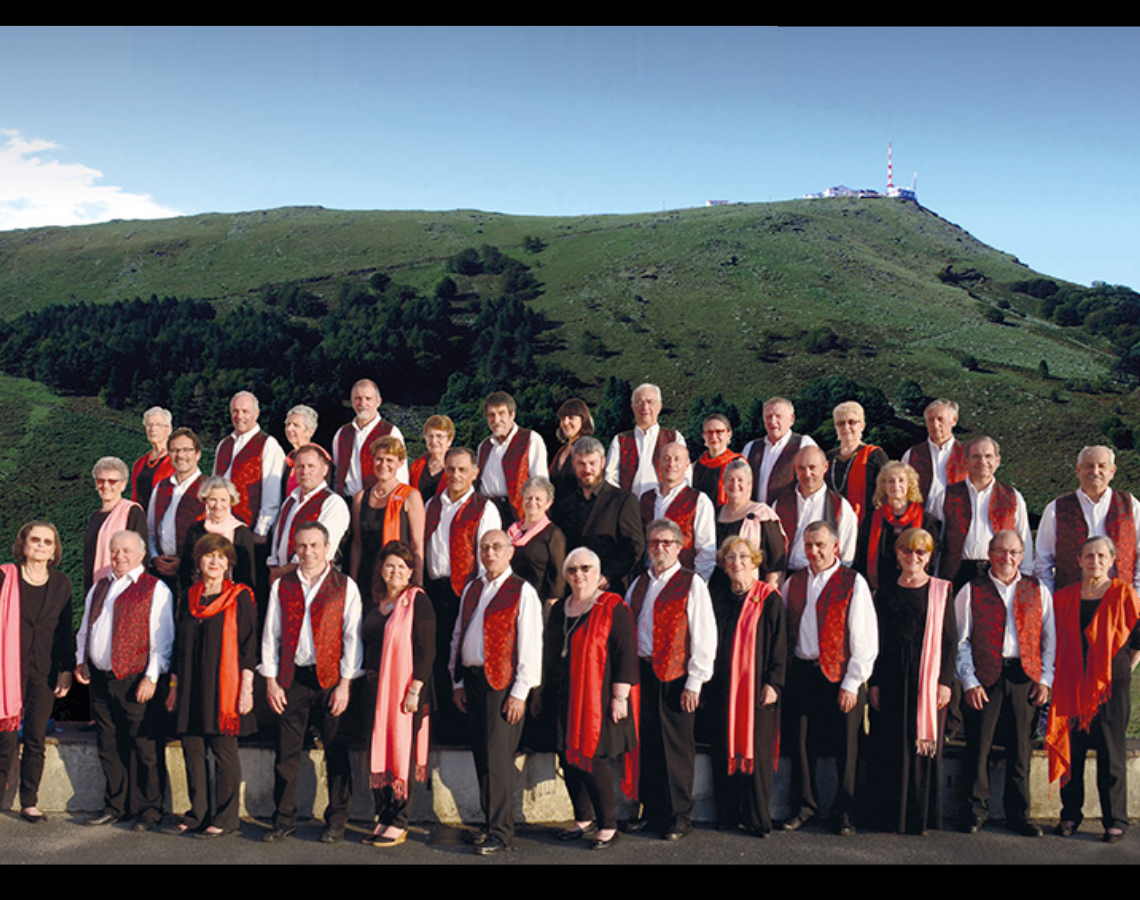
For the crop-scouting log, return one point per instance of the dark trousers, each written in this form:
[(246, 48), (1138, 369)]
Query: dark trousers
[(815, 727), (668, 751), (594, 794), (38, 700), (1106, 737), (305, 698), (127, 748), (745, 798), (1009, 702), (493, 745), (227, 780), (448, 724)]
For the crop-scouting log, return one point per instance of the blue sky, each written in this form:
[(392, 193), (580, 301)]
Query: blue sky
[(1026, 137)]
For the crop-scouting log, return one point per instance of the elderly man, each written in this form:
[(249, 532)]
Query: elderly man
[(939, 460), (597, 515), (974, 511), (1007, 642), (812, 501), (311, 501), (508, 457), (1094, 510), (310, 653), (122, 648), (771, 457), (692, 510), (495, 660), (254, 462), (175, 505), (676, 642), (630, 464), (834, 639), (351, 456)]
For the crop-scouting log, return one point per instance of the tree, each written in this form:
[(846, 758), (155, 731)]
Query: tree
[(911, 397)]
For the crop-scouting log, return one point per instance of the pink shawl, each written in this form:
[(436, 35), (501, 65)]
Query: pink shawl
[(225, 528), (750, 527), (926, 741), (115, 522), (11, 694), (742, 686), (520, 535)]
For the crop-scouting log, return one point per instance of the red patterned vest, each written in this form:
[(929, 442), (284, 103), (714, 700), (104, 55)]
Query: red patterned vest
[(342, 445), (921, 462), (683, 511), (500, 625), (831, 617), (310, 511), (1072, 530), (957, 514), (787, 508), (190, 510), (326, 617), (987, 634), (130, 629), (244, 472), (463, 539), (783, 474), (628, 459), (670, 622), (516, 466)]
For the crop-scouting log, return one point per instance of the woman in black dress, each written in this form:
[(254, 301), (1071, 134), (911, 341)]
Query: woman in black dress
[(853, 469), (219, 496), (398, 632), (574, 421), (756, 522), (910, 688), (426, 473), (35, 624), (898, 506), (154, 466), (115, 513), (709, 469), (540, 545), (211, 686), (590, 652)]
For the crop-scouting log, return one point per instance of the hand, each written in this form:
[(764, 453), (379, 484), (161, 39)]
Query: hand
[(171, 698), (144, 691), (513, 710), (689, 701), (62, 684), (276, 572), (275, 695), (768, 695), (338, 701), (977, 697), (1039, 694), (873, 697), (411, 702), (245, 700), (82, 675), (846, 701), (943, 696), (459, 698), (619, 708), (166, 565)]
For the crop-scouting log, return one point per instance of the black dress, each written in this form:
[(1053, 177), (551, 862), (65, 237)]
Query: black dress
[(907, 788), (772, 544), (539, 563), (243, 545), (838, 472), (888, 564)]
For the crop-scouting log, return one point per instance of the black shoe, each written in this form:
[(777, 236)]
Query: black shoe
[(1113, 837), (476, 838), (332, 835), (677, 831), (599, 844), (177, 829), (1065, 828), (844, 827), (795, 823), (1025, 828), (974, 825), (34, 818), (102, 819), (492, 845), (633, 826), (576, 833), (142, 825), (277, 834)]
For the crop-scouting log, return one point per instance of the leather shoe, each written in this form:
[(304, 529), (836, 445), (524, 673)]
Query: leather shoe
[(844, 828), (476, 838), (1113, 837), (599, 844), (633, 826), (576, 833), (332, 835), (1065, 828), (102, 819), (974, 825), (795, 823), (677, 831), (34, 818), (492, 845), (142, 825), (1025, 828), (277, 834)]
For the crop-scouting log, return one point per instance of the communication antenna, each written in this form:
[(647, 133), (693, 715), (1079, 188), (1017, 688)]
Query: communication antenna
[(890, 169)]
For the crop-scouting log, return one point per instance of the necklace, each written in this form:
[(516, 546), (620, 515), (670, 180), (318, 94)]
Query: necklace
[(568, 629)]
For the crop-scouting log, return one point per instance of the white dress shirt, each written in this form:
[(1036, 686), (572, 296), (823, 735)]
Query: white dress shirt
[(334, 516), (977, 546), (439, 547), (939, 456), (492, 478), (862, 628), (768, 462), (528, 636), (701, 619), (645, 478), (1010, 648), (353, 481), (352, 650), (813, 509), (1095, 516), (272, 467), (704, 528), (161, 627), (163, 538)]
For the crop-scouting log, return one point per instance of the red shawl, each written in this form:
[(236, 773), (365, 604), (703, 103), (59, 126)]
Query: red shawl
[(229, 666), (742, 686), (884, 516), (587, 706), (718, 464)]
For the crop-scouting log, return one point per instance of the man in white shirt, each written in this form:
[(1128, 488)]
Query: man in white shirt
[(632, 457), (676, 643), (811, 500), (692, 510), (254, 462), (834, 640), (174, 505), (310, 654), (495, 661), (508, 457), (122, 648), (1007, 642), (310, 501), (352, 456), (940, 460), (771, 457)]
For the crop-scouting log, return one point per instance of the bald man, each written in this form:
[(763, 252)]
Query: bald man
[(352, 460)]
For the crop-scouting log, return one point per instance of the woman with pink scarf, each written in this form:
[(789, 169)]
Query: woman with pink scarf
[(115, 513), (219, 495)]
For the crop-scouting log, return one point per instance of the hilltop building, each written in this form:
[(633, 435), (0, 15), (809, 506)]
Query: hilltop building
[(841, 190)]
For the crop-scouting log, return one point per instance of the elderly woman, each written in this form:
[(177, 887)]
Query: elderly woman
[(853, 469), (910, 687), (426, 473), (398, 631), (748, 678), (300, 426), (756, 522), (574, 421), (211, 685), (384, 512), (115, 514), (220, 496), (708, 473), (540, 545), (1098, 646), (37, 652), (898, 506), (591, 666), (154, 465)]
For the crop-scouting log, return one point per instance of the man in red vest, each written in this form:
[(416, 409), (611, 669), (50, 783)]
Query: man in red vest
[(508, 457), (310, 501), (122, 648), (1007, 642), (1094, 510), (254, 462), (811, 500), (692, 510), (310, 653), (174, 505), (939, 460), (633, 454), (833, 637), (495, 660), (676, 642), (352, 459), (771, 456)]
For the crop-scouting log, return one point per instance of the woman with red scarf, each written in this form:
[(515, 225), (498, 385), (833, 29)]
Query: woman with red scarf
[(211, 686), (1098, 646), (853, 469), (590, 669), (708, 472), (748, 678), (898, 506)]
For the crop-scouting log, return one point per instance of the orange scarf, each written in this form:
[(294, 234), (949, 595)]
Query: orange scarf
[(229, 677)]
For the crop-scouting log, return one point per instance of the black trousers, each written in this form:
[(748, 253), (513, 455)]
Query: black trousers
[(493, 745), (38, 700), (449, 726), (127, 748), (815, 727), (594, 794), (306, 699), (1106, 737), (1009, 703), (668, 751), (227, 780), (745, 798)]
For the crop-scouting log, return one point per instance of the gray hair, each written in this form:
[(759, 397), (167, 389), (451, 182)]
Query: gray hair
[(772, 401), (582, 551), (252, 396), (307, 413), (665, 525), (970, 444), (157, 412), (1086, 450), (587, 445), (646, 387), (1005, 532), (218, 481), (822, 525), (739, 463), (111, 464), (543, 484), (951, 405), (126, 532)]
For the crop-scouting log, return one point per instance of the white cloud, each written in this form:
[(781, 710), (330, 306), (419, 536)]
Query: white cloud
[(37, 191)]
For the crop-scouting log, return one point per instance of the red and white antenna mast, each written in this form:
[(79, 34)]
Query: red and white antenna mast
[(890, 170)]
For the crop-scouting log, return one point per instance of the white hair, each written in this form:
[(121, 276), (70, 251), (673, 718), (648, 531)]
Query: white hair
[(157, 412)]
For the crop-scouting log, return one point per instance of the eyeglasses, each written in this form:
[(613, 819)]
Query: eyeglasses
[(574, 570), (663, 542)]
